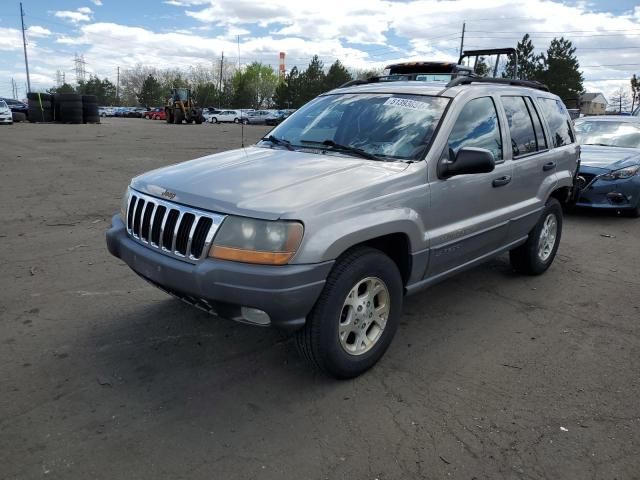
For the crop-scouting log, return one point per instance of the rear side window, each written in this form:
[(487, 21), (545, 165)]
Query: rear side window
[(537, 124), (559, 121), (523, 135), (477, 126)]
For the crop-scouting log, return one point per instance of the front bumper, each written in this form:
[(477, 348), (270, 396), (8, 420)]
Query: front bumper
[(605, 194), (6, 118), (285, 293)]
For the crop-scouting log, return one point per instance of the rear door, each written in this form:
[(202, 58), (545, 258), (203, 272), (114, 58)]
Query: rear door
[(534, 163), (469, 214)]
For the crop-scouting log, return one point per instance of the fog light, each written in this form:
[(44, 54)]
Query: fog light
[(253, 315)]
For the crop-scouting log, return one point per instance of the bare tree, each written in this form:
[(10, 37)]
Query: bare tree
[(620, 100)]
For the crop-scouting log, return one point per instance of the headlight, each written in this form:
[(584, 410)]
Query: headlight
[(257, 241), (623, 173), (124, 204)]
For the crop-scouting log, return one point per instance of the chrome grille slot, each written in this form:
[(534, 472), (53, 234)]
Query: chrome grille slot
[(146, 220), (182, 237), (175, 230), (169, 227), (157, 224), (137, 216)]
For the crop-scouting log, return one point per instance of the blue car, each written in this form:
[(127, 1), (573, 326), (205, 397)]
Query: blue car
[(609, 176)]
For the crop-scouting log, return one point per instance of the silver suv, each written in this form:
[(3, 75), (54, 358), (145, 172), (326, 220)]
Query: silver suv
[(365, 195)]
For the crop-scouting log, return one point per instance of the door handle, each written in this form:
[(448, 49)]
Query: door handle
[(501, 181), (548, 166)]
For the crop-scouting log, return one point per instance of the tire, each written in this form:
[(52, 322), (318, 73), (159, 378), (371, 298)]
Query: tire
[(532, 258), (178, 116), (169, 117), (214, 120), (198, 120), (245, 121), (235, 120), (340, 354)]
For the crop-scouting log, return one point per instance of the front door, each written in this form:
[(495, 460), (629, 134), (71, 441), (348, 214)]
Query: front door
[(469, 214)]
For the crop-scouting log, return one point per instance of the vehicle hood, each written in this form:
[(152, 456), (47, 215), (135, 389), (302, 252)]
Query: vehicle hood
[(265, 182), (5, 110), (610, 158)]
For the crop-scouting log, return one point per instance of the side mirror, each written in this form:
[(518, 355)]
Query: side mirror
[(468, 161)]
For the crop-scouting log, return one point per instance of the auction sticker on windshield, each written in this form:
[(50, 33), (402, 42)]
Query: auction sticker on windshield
[(407, 103)]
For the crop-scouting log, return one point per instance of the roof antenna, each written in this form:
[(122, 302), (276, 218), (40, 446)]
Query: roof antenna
[(241, 112)]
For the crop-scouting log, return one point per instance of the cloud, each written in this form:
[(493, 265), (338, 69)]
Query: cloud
[(82, 14), (97, 3), (10, 39), (38, 31)]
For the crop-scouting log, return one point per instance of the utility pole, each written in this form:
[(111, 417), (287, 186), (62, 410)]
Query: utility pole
[(220, 82), (24, 45), (238, 52), (118, 87), (464, 24), (14, 89)]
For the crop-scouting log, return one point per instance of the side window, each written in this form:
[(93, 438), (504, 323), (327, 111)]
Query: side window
[(537, 124), (559, 121), (523, 135), (477, 126)]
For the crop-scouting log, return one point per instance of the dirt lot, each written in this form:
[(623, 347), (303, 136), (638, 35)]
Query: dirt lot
[(491, 375)]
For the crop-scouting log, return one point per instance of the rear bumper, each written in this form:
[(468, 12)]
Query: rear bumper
[(285, 293)]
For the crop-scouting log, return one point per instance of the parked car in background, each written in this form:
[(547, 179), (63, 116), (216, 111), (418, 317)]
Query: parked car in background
[(121, 112), (106, 111), (210, 112), (225, 116), (148, 114), (19, 110), (6, 115), (276, 117), (258, 117), (136, 112), (609, 176), (161, 115), (366, 194)]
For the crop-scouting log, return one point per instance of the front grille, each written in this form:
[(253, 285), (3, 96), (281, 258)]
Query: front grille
[(175, 230)]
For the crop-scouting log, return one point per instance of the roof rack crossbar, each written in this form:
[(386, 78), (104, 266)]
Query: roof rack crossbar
[(501, 81)]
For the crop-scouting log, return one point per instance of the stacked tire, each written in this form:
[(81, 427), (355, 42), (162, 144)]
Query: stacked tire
[(68, 107), (90, 109), (40, 107)]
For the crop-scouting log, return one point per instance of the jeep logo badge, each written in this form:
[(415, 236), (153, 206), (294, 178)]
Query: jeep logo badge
[(168, 194)]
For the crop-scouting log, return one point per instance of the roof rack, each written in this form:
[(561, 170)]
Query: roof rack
[(501, 81)]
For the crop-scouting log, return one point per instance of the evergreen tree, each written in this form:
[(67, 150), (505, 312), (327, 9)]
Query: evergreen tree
[(561, 72), (313, 79), (64, 88), (635, 92), (151, 93), (528, 62), (104, 90), (336, 76), (287, 94)]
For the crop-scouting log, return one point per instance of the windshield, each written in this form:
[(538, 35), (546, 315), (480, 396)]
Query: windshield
[(613, 134), (388, 126), (3, 104)]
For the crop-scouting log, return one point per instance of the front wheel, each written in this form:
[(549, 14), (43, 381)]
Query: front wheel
[(245, 122), (536, 255), (356, 316), (214, 120), (236, 120)]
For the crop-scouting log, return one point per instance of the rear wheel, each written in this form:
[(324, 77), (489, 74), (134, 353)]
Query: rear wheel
[(235, 120), (214, 120), (169, 117), (178, 116), (245, 121), (536, 255), (356, 316)]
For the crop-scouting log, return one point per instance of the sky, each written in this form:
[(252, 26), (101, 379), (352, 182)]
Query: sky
[(360, 33)]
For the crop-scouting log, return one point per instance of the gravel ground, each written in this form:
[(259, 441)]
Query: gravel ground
[(491, 375)]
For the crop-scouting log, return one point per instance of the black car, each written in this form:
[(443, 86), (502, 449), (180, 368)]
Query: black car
[(17, 106)]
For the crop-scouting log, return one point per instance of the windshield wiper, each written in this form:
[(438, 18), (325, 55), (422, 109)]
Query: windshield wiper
[(278, 141), (344, 148), (600, 144)]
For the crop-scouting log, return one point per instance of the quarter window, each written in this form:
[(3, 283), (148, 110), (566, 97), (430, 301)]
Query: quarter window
[(537, 123), (477, 126), (523, 135), (559, 121)]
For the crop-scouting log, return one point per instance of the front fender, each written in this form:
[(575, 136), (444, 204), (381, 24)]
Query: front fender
[(333, 239)]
